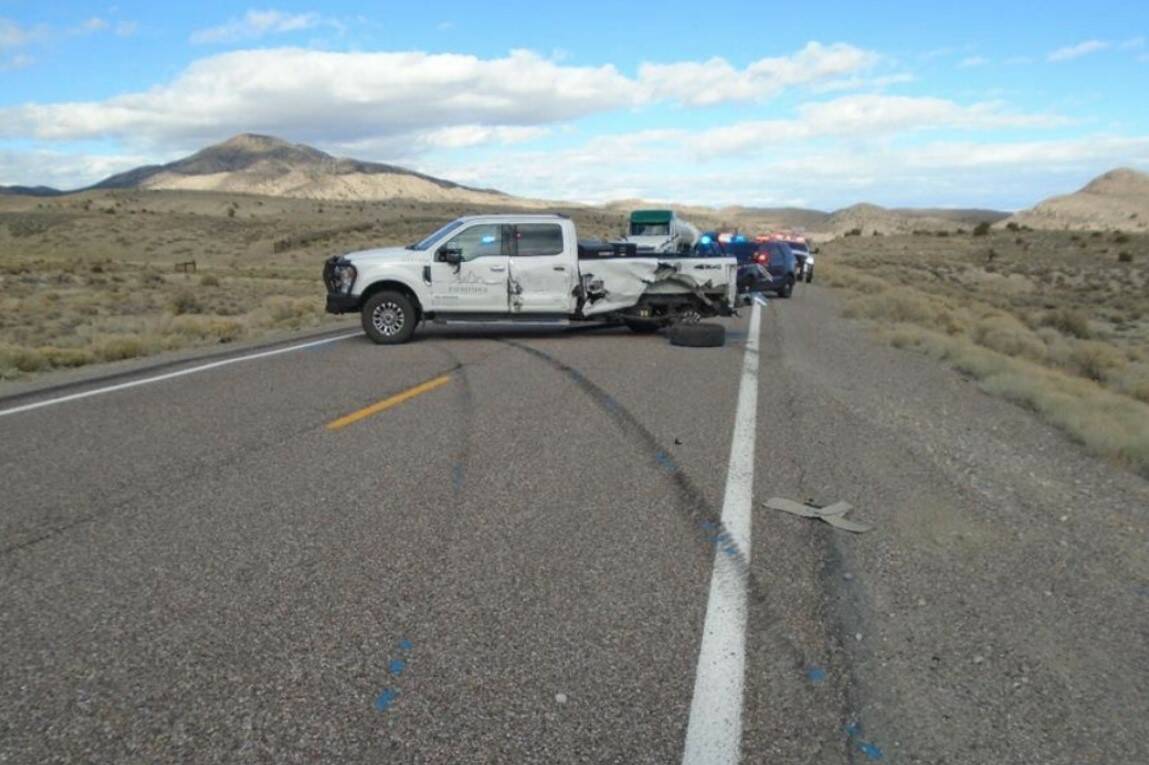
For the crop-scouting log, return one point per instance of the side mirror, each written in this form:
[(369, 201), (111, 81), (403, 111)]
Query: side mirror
[(452, 254)]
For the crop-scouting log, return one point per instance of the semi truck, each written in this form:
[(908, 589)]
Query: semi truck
[(660, 231), (524, 268)]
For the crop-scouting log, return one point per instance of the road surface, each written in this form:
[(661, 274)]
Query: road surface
[(498, 546)]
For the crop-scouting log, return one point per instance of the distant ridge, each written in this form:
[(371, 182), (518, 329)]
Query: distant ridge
[(1118, 199), (261, 164)]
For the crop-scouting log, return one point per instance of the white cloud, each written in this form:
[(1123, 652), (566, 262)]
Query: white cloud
[(13, 35), (256, 24), (94, 24), (1133, 43), (61, 170), (16, 61), (1002, 175), (1070, 52), (700, 83), (972, 61), (126, 28), (862, 117), (315, 95)]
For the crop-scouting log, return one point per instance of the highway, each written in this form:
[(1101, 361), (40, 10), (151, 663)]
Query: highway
[(498, 545)]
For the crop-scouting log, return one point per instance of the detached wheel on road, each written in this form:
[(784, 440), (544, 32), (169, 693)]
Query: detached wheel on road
[(389, 317), (698, 335), (787, 288)]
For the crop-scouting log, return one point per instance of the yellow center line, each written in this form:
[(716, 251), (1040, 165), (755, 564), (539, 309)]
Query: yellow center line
[(387, 403)]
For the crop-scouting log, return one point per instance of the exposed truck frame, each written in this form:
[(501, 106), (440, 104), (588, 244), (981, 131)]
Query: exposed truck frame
[(523, 268)]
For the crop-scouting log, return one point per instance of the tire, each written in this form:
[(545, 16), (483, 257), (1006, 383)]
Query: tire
[(389, 317), (698, 335), (642, 326), (787, 288), (809, 275)]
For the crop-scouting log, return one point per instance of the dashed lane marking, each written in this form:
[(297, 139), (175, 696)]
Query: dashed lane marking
[(387, 403)]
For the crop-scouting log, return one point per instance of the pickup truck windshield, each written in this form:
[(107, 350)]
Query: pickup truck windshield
[(439, 233)]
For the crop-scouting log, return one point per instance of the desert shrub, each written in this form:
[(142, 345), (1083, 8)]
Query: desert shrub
[(186, 301), (1012, 226), (119, 348), (197, 328), (1134, 381), (1068, 321), (22, 359), (854, 232), (67, 357), (209, 281), (981, 229), (1007, 335), (941, 233), (1120, 238), (1124, 257), (1097, 361)]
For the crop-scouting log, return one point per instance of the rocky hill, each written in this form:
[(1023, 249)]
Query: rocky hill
[(1118, 199)]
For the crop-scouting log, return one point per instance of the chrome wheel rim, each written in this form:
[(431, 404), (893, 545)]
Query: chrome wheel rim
[(689, 317), (388, 318)]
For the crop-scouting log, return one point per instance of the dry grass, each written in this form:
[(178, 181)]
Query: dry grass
[(1032, 317)]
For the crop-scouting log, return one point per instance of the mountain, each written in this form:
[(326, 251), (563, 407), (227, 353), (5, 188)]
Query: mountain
[(260, 164), (30, 191), (1118, 199), (903, 220)]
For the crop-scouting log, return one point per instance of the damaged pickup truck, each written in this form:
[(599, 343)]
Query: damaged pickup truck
[(523, 268)]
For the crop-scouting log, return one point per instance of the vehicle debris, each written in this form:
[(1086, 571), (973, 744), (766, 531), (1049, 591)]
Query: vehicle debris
[(834, 514)]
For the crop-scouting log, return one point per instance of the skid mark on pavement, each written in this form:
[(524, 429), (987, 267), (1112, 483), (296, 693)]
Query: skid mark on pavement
[(704, 518)]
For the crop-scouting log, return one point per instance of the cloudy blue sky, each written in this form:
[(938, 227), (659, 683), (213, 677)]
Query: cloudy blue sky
[(822, 104)]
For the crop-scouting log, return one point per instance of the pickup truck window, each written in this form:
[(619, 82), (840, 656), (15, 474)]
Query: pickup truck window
[(539, 239), (478, 241), (436, 236)]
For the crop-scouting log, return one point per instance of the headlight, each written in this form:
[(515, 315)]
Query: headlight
[(345, 278)]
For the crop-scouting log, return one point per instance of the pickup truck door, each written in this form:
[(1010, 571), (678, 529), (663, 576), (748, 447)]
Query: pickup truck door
[(544, 269), (478, 284)]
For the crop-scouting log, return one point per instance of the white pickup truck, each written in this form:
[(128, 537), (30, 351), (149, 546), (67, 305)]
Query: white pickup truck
[(523, 268)]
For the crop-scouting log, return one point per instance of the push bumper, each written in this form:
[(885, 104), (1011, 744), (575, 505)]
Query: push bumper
[(340, 303)]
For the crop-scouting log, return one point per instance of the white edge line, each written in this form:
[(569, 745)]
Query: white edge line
[(714, 730), (170, 375)]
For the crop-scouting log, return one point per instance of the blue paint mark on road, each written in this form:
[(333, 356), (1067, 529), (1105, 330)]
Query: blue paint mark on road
[(610, 404), (730, 551), (815, 674), (664, 460), (396, 667), (406, 645), (868, 748), (708, 525), (386, 699), (457, 477)]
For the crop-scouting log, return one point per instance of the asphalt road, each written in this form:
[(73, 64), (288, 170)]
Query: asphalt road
[(513, 564)]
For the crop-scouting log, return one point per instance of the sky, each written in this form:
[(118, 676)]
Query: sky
[(810, 104)]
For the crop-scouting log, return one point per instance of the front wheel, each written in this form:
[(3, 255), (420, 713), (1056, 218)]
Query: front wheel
[(389, 318), (787, 288), (809, 275)]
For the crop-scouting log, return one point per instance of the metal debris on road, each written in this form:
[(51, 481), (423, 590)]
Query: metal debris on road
[(834, 514)]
